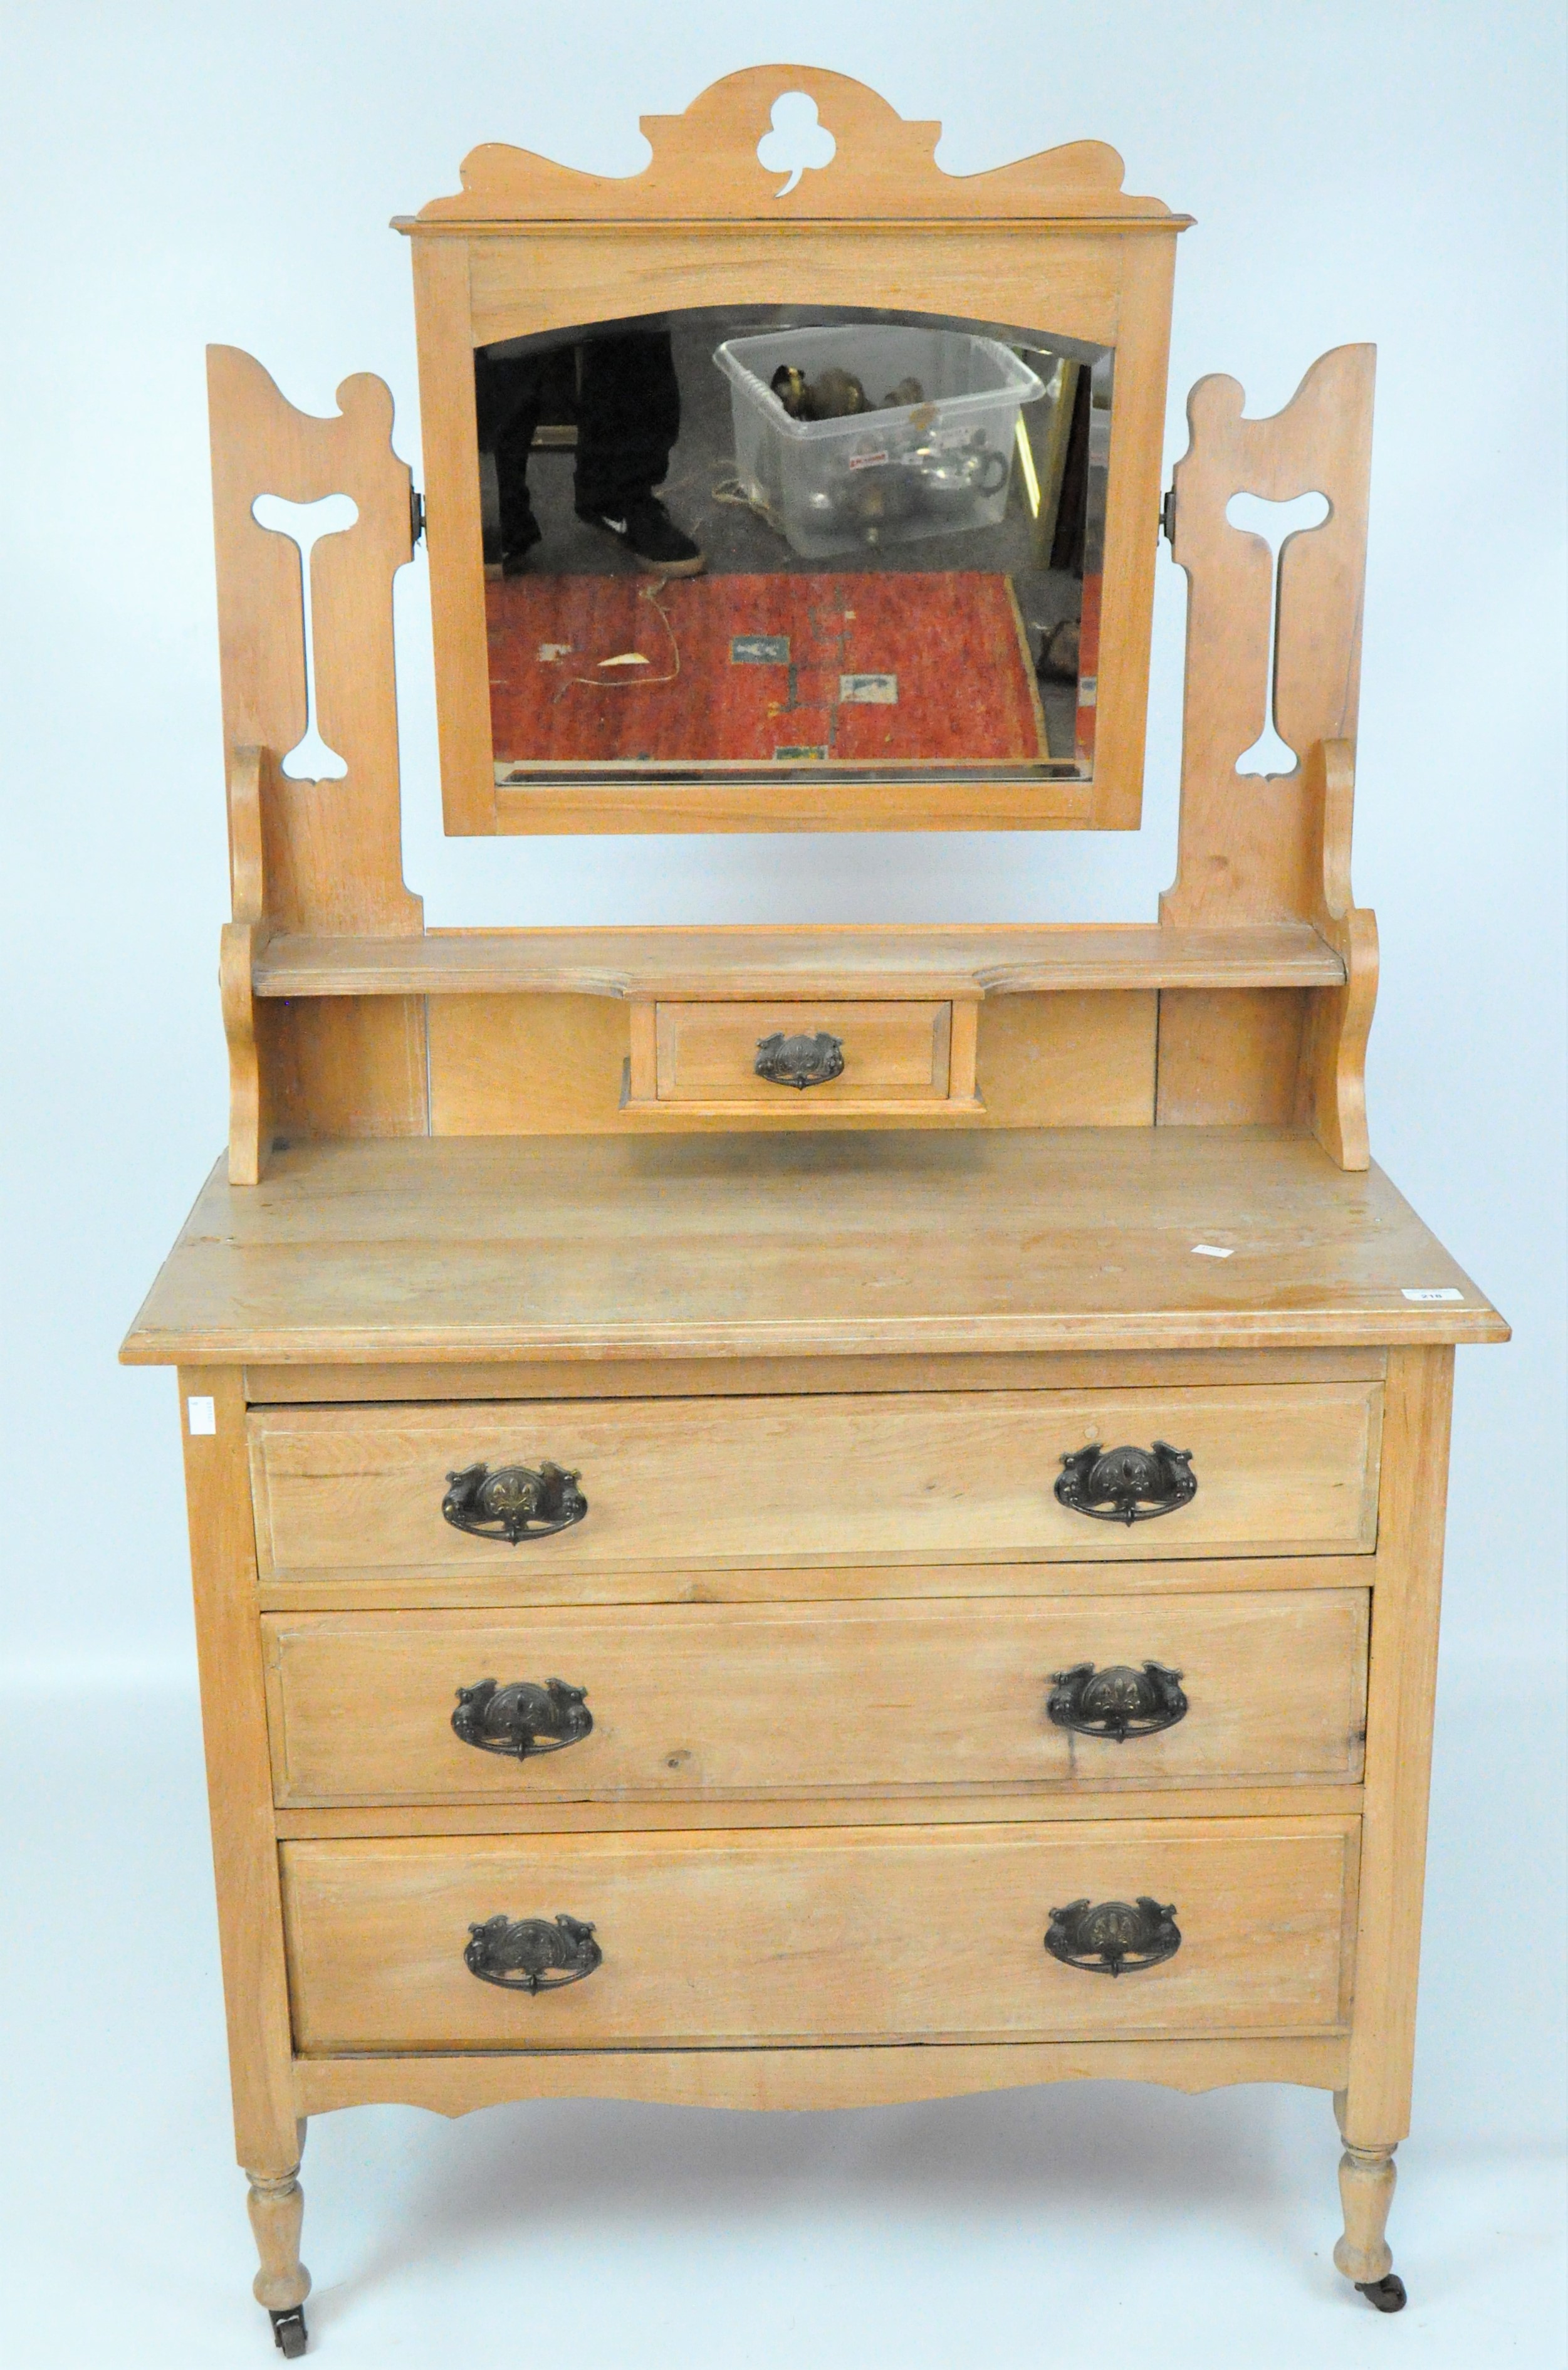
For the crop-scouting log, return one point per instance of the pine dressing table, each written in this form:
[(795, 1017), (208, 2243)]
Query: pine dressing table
[(681, 1531)]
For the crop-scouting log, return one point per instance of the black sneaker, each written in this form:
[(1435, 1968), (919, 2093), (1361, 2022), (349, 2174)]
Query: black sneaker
[(647, 531)]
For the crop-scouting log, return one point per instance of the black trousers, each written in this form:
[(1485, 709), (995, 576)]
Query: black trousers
[(627, 402)]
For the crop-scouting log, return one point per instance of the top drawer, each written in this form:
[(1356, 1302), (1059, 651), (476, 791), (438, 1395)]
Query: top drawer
[(345, 1494)]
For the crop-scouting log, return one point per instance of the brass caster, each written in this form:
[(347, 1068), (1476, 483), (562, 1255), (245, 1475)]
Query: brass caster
[(1387, 2293), (291, 2335)]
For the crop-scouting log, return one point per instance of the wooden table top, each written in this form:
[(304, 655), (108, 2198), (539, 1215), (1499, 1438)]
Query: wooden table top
[(893, 1242)]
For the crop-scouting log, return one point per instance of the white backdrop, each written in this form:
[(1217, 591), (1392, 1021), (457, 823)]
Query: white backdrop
[(178, 174)]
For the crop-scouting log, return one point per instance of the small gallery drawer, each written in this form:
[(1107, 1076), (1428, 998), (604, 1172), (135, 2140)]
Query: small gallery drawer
[(344, 1494), (794, 1061), (666, 1703), (796, 1935)]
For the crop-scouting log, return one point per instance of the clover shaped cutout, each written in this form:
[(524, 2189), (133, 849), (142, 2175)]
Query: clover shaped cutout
[(799, 143)]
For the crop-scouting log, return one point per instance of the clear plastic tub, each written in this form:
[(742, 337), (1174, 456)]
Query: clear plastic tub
[(939, 466)]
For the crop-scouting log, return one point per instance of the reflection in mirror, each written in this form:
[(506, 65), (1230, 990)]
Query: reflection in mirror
[(853, 542)]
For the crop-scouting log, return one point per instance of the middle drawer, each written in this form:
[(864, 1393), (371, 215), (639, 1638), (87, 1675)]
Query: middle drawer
[(679, 1702)]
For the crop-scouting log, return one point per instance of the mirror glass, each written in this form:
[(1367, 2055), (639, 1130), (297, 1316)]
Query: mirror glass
[(856, 543)]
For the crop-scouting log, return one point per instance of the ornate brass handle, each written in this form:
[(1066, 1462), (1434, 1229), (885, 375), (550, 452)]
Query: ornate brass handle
[(1117, 1701), (1127, 1485), (1114, 1937), (513, 1502), (521, 1718), (800, 1061), (530, 1954)]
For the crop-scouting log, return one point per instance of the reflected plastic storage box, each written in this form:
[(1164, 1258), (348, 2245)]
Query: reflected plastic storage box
[(940, 465)]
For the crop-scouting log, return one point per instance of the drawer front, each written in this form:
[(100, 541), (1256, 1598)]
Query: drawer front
[(891, 1052), (693, 1701), (919, 1478), (859, 1934)]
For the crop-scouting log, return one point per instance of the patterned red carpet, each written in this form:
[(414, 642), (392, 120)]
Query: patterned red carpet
[(855, 669)]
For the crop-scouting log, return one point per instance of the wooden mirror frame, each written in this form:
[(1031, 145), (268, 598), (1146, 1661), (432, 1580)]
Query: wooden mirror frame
[(531, 246)]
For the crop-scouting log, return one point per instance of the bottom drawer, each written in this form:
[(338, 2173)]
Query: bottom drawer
[(780, 1936)]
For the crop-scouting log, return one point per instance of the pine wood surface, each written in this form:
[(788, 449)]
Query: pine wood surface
[(687, 1700), (921, 1478), (973, 1242), (867, 1933), (885, 958), (707, 1053), (728, 1812), (454, 2084), (234, 1732), (532, 1584), (536, 1379)]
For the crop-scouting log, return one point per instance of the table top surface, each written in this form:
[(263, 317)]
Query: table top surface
[(715, 1245)]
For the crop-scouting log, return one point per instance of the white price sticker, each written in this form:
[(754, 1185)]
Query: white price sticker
[(1432, 1291), (202, 1415)]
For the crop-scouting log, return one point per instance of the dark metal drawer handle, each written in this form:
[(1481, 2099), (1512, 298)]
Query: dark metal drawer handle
[(513, 1502), (1117, 1701), (521, 1718), (1113, 1937), (530, 1954), (800, 1061), (1127, 1485)]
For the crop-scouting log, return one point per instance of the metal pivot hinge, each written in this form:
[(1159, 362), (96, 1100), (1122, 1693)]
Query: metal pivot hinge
[(1168, 515), (416, 515)]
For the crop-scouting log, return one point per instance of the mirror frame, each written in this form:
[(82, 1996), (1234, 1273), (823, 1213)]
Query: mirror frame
[(531, 247)]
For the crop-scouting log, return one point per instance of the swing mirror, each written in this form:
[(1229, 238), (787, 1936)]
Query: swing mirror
[(836, 542), (776, 556)]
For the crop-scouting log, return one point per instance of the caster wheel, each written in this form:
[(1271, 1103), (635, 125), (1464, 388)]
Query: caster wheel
[(289, 2333), (1387, 2293)]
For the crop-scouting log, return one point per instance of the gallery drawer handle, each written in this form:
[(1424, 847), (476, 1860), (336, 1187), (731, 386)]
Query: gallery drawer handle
[(530, 1954), (1118, 1701), (521, 1718), (800, 1061), (513, 1502), (1127, 1485), (1114, 1937)]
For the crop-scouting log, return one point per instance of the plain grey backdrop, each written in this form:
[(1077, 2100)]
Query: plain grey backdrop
[(176, 174)]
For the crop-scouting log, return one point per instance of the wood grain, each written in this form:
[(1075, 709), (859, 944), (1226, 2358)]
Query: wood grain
[(886, 959), (769, 2079), (687, 1701), (309, 856), (921, 1478), (595, 1248), (1269, 849), (739, 1378), (239, 1786), (892, 1051), (842, 1935), (1375, 2111), (1331, 1094)]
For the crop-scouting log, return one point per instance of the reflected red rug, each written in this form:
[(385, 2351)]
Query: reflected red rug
[(852, 669)]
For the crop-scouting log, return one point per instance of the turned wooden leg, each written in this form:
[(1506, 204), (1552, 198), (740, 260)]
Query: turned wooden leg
[(277, 2205), (1367, 2189)]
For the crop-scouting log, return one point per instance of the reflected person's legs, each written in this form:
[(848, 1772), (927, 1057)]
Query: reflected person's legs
[(506, 395), (628, 419)]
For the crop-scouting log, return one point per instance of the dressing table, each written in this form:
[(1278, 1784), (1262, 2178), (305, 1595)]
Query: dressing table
[(720, 1460)]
